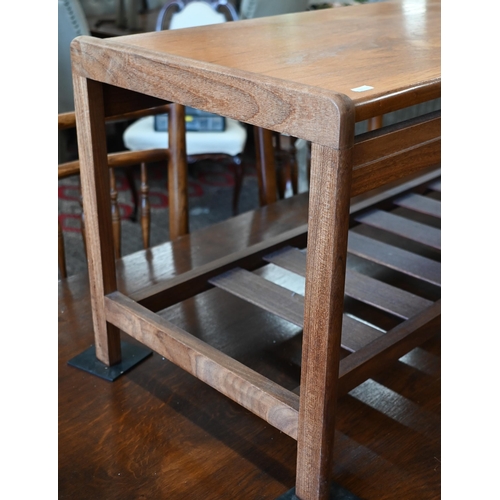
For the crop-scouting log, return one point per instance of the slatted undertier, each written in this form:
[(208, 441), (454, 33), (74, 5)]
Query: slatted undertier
[(392, 299), (397, 244)]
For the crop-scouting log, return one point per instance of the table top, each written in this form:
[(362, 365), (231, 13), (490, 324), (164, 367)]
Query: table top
[(383, 56)]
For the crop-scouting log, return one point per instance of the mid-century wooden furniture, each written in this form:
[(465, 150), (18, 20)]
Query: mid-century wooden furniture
[(158, 432), (350, 65)]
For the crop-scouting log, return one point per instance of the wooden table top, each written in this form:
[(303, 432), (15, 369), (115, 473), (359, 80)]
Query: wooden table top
[(392, 46)]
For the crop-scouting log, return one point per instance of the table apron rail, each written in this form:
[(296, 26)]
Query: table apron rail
[(396, 151), (271, 402), (287, 107)]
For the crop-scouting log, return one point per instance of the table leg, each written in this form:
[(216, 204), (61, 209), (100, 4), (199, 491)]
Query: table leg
[(94, 171), (266, 170), (324, 298)]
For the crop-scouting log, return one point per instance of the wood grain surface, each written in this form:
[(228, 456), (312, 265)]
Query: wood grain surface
[(322, 48), (298, 86), (315, 91)]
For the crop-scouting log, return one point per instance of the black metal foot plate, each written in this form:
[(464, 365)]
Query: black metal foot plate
[(131, 356), (336, 493)]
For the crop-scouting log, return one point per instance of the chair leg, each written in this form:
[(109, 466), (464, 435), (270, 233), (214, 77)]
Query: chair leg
[(287, 173), (177, 173), (239, 174), (145, 207), (266, 170), (281, 176), (129, 173), (115, 214), (61, 254), (294, 168)]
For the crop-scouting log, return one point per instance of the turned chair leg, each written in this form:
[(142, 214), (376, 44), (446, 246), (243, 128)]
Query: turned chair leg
[(266, 171), (239, 174), (61, 254), (115, 214), (129, 173), (145, 207)]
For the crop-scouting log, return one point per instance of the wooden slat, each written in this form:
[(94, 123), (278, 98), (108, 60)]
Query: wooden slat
[(420, 203), (288, 305), (435, 185), (402, 226), (268, 400), (289, 258), (356, 334), (263, 293), (358, 286), (395, 258), (135, 115), (365, 363), (383, 296), (180, 287)]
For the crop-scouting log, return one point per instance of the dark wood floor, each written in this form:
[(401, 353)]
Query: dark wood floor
[(159, 433)]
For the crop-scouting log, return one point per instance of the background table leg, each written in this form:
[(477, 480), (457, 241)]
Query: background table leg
[(177, 173)]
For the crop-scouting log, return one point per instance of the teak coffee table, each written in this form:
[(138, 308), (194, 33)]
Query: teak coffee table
[(310, 75)]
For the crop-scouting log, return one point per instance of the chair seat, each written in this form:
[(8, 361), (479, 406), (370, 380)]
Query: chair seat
[(142, 135)]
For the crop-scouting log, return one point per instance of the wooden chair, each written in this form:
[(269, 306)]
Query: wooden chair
[(123, 159), (276, 164)]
